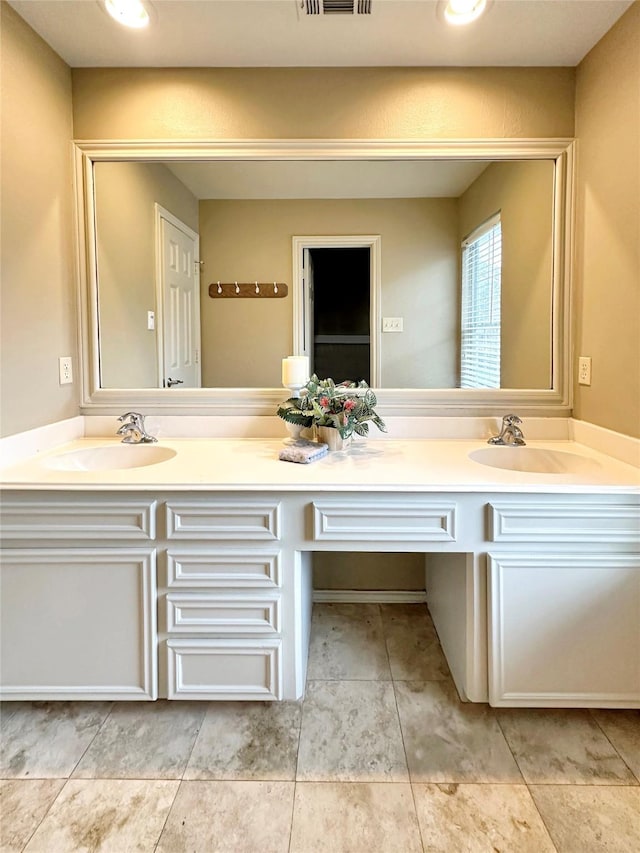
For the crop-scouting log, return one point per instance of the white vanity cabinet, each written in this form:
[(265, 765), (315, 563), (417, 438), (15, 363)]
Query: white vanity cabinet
[(564, 602), (78, 598), (208, 594), (221, 599)]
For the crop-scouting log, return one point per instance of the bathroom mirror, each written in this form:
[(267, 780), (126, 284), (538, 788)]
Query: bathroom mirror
[(261, 212)]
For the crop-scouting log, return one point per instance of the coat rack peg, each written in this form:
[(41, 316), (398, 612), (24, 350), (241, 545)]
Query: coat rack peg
[(275, 286), (237, 288), (219, 288), (257, 288)]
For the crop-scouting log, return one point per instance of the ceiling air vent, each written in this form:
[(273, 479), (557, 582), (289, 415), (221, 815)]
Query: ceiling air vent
[(337, 7)]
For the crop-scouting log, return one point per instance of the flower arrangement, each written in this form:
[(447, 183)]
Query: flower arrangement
[(346, 407)]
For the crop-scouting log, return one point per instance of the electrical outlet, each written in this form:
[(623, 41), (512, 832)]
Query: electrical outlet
[(65, 369), (584, 370), (392, 324)]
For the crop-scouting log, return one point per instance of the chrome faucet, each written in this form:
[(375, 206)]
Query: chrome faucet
[(133, 429), (510, 433)]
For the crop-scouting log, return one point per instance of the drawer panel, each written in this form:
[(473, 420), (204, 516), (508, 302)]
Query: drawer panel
[(222, 614), (224, 669), (220, 569), (89, 519), (563, 521), (386, 521), (243, 520)]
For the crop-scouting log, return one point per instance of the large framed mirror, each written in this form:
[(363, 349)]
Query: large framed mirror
[(438, 272)]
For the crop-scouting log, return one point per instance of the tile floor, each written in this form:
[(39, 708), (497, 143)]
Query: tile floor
[(380, 756)]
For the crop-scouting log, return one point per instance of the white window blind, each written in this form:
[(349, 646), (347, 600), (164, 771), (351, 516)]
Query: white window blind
[(480, 327)]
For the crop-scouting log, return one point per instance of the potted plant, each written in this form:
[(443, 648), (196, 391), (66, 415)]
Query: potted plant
[(336, 411)]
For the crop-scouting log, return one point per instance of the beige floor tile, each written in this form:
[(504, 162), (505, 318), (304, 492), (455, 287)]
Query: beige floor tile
[(347, 642), (23, 804), (480, 819), (247, 740), (350, 733), (144, 740), (412, 643), (623, 730), (563, 746), (45, 740), (447, 740), (590, 818), (354, 818), (109, 816), (234, 817)]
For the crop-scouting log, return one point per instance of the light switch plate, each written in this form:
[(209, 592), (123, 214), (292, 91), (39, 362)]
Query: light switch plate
[(392, 324)]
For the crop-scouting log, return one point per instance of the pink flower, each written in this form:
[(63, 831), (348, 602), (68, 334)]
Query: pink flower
[(324, 402), (349, 405)]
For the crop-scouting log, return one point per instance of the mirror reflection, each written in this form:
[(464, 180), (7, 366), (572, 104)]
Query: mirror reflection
[(461, 297)]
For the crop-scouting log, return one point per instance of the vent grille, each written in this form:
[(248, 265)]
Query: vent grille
[(337, 7)]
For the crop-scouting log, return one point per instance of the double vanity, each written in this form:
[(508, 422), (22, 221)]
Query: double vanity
[(183, 569)]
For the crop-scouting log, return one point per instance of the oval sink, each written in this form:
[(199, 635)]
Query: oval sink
[(535, 460), (110, 458)]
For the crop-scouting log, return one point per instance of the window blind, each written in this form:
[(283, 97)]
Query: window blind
[(480, 326)]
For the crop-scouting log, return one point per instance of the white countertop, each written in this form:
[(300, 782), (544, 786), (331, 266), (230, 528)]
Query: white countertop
[(410, 465)]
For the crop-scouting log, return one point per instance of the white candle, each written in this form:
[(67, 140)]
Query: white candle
[(295, 370)]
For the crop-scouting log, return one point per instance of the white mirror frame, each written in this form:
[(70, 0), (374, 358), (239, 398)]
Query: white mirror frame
[(556, 401)]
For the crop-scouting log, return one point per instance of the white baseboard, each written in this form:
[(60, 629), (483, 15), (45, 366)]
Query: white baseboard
[(369, 596)]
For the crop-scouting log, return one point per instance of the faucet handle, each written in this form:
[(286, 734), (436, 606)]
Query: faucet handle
[(136, 418), (511, 420)]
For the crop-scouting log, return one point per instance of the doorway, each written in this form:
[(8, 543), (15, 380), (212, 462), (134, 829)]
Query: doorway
[(336, 287)]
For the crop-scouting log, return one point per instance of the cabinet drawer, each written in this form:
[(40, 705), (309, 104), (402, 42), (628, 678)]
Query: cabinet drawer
[(242, 520), (385, 521), (221, 569), (563, 521), (88, 519), (222, 614), (224, 669)]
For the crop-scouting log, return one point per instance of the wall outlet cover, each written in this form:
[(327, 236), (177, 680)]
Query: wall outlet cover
[(65, 369), (584, 370)]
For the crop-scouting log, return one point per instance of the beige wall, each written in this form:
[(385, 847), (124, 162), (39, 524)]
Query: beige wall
[(335, 570), (249, 240), (234, 103), (125, 195), (523, 193), (37, 268), (607, 292)]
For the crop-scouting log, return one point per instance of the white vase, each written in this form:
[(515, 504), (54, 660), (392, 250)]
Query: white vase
[(331, 436)]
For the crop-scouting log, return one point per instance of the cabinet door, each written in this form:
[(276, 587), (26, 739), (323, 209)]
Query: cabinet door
[(78, 624), (564, 630)]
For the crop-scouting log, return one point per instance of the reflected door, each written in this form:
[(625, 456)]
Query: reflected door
[(180, 286)]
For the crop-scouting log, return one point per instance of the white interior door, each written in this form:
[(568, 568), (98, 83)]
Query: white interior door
[(180, 299)]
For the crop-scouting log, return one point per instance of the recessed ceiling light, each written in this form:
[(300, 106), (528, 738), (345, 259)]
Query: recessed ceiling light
[(129, 13), (463, 11)]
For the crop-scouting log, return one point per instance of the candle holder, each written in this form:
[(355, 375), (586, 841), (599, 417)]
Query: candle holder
[(294, 430)]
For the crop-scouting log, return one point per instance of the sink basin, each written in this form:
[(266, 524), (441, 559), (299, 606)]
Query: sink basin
[(535, 460), (110, 458)]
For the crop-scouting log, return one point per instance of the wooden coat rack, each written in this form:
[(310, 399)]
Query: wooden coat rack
[(248, 290)]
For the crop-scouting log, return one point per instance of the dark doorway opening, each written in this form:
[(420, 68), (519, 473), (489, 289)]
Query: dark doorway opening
[(341, 299)]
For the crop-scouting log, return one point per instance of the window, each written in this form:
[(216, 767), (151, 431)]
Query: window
[(480, 327)]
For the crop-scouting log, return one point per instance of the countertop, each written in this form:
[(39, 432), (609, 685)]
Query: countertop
[(411, 465)]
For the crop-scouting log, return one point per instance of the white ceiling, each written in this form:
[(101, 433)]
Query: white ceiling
[(277, 33), (328, 179)]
